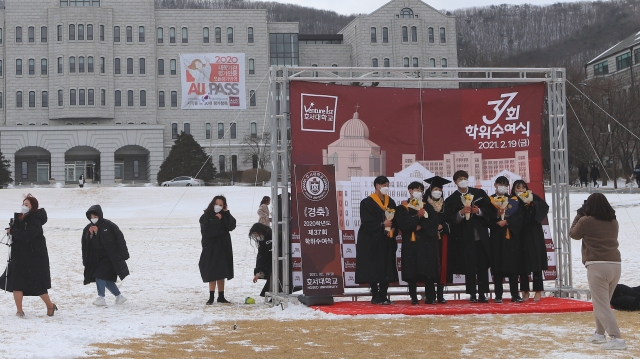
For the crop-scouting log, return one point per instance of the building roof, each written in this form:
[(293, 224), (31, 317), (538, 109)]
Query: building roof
[(619, 47)]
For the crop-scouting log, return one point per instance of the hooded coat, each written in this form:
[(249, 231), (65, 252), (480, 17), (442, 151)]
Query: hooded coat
[(29, 266), (104, 253), (216, 259)]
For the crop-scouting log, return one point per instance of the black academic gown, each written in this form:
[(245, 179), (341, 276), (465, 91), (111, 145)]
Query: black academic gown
[(420, 252), (507, 253), (375, 251), (445, 255), (532, 235)]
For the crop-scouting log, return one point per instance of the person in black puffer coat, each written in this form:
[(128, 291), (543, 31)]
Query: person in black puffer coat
[(28, 271), (260, 234), (104, 252)]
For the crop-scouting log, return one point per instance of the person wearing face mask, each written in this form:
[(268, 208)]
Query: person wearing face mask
[(216, 259), (434, 198), (28, 272), (260, 236), (469, 238), (533, 242), (375, 247), (505, 242), (104, 252)]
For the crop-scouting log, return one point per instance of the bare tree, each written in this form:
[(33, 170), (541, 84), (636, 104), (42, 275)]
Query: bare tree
[(257, 150)]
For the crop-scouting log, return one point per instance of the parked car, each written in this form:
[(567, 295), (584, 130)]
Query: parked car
[(183, 181)]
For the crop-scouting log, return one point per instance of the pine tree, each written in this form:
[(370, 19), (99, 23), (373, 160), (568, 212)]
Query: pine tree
[(5, 171), (186, 158)]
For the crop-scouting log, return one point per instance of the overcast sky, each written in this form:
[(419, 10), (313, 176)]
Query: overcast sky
[(348, 7)]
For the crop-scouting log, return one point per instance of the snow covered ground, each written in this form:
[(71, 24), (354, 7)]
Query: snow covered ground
[(165, 289)]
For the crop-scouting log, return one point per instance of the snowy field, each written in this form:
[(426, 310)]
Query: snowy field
[(164, 288)]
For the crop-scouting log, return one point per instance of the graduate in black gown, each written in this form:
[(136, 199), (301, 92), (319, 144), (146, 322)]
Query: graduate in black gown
[(505, 241), (418, 223), (376, 244), (469, 237), (434, 199), (532, 236)]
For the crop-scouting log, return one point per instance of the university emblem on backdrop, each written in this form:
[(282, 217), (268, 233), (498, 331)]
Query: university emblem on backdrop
[(315, 185)]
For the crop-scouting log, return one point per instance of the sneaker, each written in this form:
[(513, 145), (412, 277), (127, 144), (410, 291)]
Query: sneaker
[(120, 299), (596, 339), (100, 301), (498, 300), (615, 344)]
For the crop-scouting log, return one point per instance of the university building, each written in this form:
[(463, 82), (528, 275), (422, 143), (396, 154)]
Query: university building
[(94, 87), (620, 62)]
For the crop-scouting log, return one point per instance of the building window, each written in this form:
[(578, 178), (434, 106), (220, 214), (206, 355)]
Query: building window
[(72, 97), (103, 97), (174, 131), (143, 98), (0, 67), (405, 34), (405, 62), (129, 34), (19, 99), (221, 163), (118, 98), (315, 73), (25, 167), (254, 161), (160, 35), (415, 62), (101, 32), (136, 169), (252, 98), (32, 67), (386, 63), (81, 94), (129, 66), (254, 130), (205, 35), (81, 64), (59, 32), (250, 35), (31, 34), (406, 13), (432, 62), (187, 128), (172, 35), (43, 67), (374, 62), (102, 60), (207, 131), (60, 98), (130, 98), (443, 35), (234, 162), (230, 35), (32, 99), (89, 32), (116, 34), (143, 66), (636, 55), (72, 32), (443, 62), (232, 130), (65, 3), (80, 32), (172, 67), (160, 67), (174, 98), (141, 34), (90, 64), (161, 99), (185, 35), (623, 61), (414, 34), (431, 36), (374, 37), (385, 35), (218, 35), (45, 99), (18, 67), (601, 68), (60, 65), (220, 130), (252, 68), (18, 33), (90, 97), (72, 64)]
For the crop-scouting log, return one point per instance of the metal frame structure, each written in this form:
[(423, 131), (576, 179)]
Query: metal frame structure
[(282, 76)]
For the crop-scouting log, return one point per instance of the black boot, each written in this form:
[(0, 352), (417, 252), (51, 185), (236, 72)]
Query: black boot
[(212, 296), (441, 294), (413, 293), (375, 294), (221, 298)]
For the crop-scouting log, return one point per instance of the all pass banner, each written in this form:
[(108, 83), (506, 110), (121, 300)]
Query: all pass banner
[(213, 81)]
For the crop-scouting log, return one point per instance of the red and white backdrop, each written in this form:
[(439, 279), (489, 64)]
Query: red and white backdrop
[(359, 133)]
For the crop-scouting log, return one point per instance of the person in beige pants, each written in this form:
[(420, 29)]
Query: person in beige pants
[(596, 225)]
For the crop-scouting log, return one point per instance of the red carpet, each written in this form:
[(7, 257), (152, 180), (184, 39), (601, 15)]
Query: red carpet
[(458, 307)]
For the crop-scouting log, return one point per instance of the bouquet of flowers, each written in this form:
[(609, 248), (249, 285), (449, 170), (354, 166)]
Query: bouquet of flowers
[(389, 213), (526, 196), (466, 200), (417, 204), (500, 202)]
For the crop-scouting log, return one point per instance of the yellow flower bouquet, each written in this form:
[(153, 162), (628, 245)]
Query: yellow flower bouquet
[(389, 214), (526, 196), (466, 201), (500, 202), (417, 204)]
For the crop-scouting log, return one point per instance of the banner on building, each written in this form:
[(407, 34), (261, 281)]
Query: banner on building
[(410, 135), (213, 82), (317, 222)]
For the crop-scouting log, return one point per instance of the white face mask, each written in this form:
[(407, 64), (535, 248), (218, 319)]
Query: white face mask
[(436, 194), (217, 208), (384, 190), (24, 209), (502, 189), (417, 195), (463, 184), (94, 220)]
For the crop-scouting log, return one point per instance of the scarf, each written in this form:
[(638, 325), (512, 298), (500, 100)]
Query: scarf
[(437, 205)]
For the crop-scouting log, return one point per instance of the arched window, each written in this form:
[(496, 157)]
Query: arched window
[(405, 34), (414, 34), (374, 62), (406, 13)]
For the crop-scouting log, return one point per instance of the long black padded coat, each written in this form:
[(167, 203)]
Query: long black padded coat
[(103, 254), (216, 259)]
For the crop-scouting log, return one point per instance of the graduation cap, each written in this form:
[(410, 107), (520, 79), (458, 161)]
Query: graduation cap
[(436, 181)]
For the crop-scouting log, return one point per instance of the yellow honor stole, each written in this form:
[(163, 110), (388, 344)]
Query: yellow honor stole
[(384, 206), (413, 234)]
